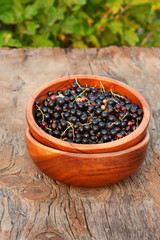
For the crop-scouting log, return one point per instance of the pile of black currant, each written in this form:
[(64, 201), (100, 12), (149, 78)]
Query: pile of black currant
[(87, 115)]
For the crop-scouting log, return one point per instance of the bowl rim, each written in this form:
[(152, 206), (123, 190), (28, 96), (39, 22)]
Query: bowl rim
[(88, 147), (139, 145)]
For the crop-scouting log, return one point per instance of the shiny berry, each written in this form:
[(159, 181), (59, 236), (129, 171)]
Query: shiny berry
[(78, 113), (63, 123), (79, 90), (83, 118), (54, 126), (77, 140), (95, 128), (140, 112), (86, 135), (113, 132), (104, 115), (133, 110), (111, 118), (123, 109), (53, 98), (56, 115), (43, 124), (94, 121), (81, 129), (44, 109), (103, 107), (130, 123), (73, 112), (60, 101), (38, 114), (104, 132), (46, 116), (38, 103), (90, 108), (119, 136), (105, 138), (127, 101), (66, 115), (70, 105), (84, 140), (66, 99), (98, 111), (93, 138), (87, 127), (49, 93), (51, 104), (74, 86), (101, 125)]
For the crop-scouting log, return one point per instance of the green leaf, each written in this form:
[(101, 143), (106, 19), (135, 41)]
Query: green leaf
[(101, 23), (55, 14), (69, 24), (7, 17), (116, 5), (131, 37), (14, 43), (79, 44), (141, 2), (156, 5), (30, 11), (42, 41), (93, 39), (81, 2), (30, 28), (18, 11), (5, 6), (107, 38), (73, 2), (116, 27), (6, 39), (47, 3)]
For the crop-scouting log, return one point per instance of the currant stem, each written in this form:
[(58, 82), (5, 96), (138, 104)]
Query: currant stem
[(71, 125), (85, 124), (48, 128), (102, 87), (65, 130), (41, 113), (114, 94), (111, 124), (124, 117), (79, 95), (78, 83), (115, 100)]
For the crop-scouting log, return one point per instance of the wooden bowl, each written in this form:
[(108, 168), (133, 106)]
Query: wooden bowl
[(87, 170), (63, 84)]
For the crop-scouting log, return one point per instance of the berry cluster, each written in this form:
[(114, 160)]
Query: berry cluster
[(87, 115)]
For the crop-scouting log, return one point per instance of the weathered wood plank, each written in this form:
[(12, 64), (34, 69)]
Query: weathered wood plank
[(32, 206)]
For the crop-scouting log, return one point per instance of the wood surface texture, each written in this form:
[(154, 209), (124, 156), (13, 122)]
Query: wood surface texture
[(35, 207)]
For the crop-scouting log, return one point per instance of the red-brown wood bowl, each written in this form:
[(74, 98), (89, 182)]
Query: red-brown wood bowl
[(63, 84), (87, 170)]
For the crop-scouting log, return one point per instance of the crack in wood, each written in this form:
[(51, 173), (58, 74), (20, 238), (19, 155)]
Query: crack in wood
[(85, 217)]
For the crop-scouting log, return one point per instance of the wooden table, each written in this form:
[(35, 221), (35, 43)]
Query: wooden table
[(34, 207)]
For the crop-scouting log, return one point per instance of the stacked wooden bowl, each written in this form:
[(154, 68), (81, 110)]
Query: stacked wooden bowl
[(87, 165)]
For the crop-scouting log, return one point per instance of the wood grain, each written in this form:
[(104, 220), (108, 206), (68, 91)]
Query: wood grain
[(127, 210), (64, 83), (87, 170)]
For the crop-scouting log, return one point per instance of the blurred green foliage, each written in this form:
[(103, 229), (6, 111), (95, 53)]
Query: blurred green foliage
[(79, 23)]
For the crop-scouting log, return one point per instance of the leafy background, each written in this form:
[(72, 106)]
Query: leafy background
[(79, 23)]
